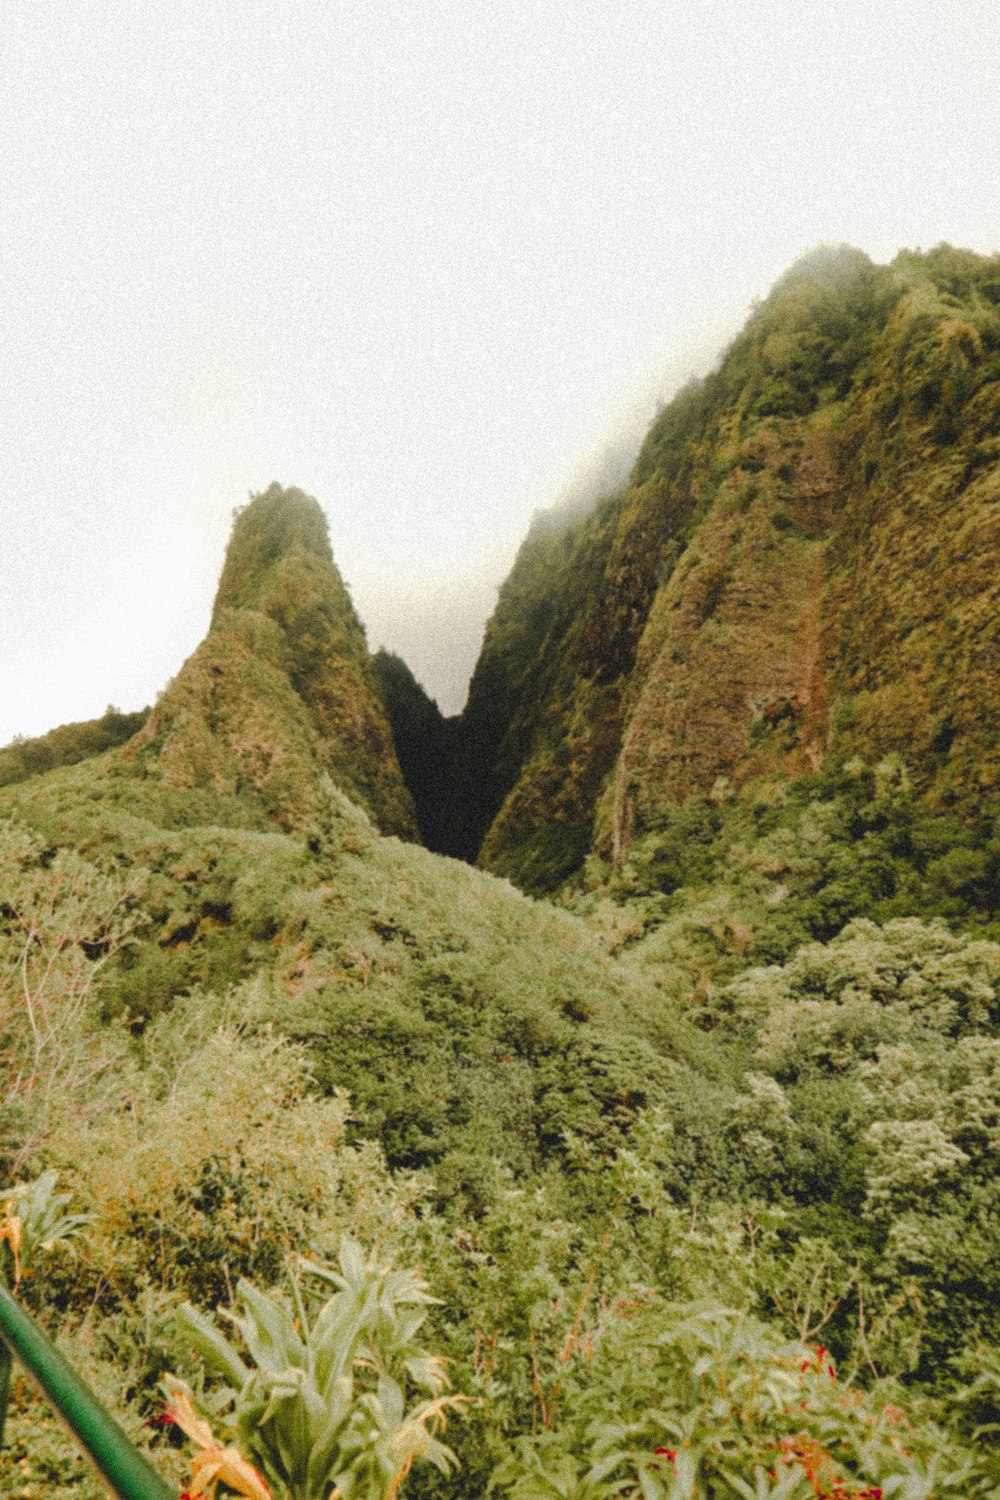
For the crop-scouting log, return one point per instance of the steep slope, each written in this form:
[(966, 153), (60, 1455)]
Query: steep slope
[(804, 562), (424, 741), (544, 703), (281, 693)]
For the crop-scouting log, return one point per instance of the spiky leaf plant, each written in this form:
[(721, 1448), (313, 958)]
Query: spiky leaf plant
[(336, 1399), (33, 1218)]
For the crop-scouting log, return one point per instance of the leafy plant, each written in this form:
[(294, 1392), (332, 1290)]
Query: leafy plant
[(718, 1406), (33, 1218), (62, 919), (322, 1401)]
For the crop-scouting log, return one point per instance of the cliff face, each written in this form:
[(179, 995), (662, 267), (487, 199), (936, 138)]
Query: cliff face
[(804, 562), (424, 741), (282, 691)]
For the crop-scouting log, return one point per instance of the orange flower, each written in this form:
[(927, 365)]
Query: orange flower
[(10, 1230), (212, 1464), (820, 1470)]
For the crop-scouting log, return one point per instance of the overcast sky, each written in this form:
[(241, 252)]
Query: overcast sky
[(422, 259)]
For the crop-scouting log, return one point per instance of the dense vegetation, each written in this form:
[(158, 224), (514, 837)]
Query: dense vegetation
[(710, 1113), (68, 744), (699, 1157), (282, 692), (803, 561)]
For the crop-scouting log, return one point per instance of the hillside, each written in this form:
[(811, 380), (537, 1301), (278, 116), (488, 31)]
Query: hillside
[(425, 745), (685, 1182), (240, 826), (803, 563), (68, 744), (281, 693)]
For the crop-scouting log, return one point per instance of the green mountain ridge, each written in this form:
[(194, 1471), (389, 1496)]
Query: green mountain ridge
[(700, 1149), (67, 744), (282, 692), (802, 564)]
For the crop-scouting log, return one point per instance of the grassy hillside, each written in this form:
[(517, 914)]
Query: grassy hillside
[(68, 744), (694, 1123), (207, 994)]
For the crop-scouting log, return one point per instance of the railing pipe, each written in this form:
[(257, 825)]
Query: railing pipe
[(6, 1360), (123, 1467)]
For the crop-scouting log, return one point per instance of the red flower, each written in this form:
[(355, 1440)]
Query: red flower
[(816, 1363), (165, 1418)]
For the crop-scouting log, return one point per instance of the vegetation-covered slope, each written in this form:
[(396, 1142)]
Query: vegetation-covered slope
[(702, 1162), (425, 745), (282, 690), (185, 995), (68, 744), (663, 1144), (804, 561)]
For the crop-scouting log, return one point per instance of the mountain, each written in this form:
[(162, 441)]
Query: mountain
[(733, 1089), (802, 564), (243, 821), (282, 691), (424, 741)]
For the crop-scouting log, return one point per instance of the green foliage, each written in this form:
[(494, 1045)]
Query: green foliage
[(68, 744), (218, 1161), (883, 1042), (545, 695), (281, 695), (62, 921), (844, 448), (33, 1219), (336, 1398), (739, 1092), (712, 1404), (848, 841), (274, 524)]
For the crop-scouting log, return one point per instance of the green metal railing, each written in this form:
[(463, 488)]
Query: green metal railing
[(121, 1465)]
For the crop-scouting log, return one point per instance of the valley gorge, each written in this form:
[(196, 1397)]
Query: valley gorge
[(613, 1068)]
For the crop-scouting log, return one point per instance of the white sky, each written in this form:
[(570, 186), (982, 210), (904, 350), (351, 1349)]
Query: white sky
[(421, 259)]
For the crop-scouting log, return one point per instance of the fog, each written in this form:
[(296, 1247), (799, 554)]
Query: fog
[(435, 264)]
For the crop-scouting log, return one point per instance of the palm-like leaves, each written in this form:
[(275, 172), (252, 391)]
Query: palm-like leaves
[(33, 1218), (321, 1406)]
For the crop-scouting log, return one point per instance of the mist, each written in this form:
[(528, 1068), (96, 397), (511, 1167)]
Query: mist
[(435, 266)]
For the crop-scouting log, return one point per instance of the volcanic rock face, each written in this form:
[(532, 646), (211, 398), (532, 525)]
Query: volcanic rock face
[(281, 693), (805, 561)]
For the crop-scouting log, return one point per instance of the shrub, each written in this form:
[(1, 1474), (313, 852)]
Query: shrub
[(321, 1398)]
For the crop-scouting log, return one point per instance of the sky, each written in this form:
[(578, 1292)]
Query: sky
[(431, 262)]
